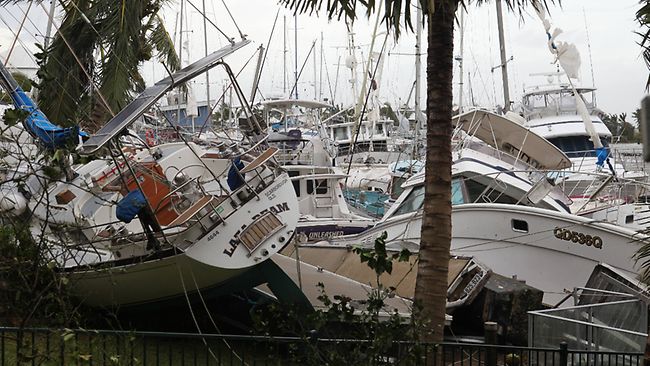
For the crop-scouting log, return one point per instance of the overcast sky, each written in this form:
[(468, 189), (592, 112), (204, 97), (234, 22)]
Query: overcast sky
[(619, 72)]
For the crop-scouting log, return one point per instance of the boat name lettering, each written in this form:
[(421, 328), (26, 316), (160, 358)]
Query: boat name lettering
[(325, 234), (234, 242), (270, 194), (578, 237), (521, 155), (281, 207)]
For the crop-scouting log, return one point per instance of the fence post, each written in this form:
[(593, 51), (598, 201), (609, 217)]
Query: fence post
[(564, 354), (490, 340)]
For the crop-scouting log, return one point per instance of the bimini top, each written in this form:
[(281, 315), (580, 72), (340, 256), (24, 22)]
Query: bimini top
[(513, 138), (149, 96), (288, 103)]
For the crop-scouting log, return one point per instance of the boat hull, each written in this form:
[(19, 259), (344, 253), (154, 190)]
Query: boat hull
[(547, 255), (149, 281)]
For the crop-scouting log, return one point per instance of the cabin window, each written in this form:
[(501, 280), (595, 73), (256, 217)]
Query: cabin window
[(413, 201), (519, 226), (478, 193), (379, 129), (318, 185), (457, 197), (340, 133), (577, 146), (296, 183)]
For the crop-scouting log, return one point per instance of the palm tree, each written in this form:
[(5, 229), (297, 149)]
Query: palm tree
[(643, 17), (90, 70), (431, 285)]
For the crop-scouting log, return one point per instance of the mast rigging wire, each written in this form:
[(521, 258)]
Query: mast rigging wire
[(63, 90), (295, 85), (230, 39), (13, 44), (266, 53), (365, 105), (92, 83)]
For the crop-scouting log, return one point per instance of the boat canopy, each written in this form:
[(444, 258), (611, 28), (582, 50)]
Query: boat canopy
[(506, 135), (149, 96)]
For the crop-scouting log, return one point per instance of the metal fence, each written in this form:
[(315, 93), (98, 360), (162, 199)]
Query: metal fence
[(101, 347), (615, 326)]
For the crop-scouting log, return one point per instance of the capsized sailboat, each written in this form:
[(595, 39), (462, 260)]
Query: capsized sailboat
[(203, 217)]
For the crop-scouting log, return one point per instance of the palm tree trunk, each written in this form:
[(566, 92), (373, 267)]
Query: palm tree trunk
[(431, 285)]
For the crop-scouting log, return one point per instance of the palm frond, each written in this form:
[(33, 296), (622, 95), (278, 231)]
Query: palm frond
[(163, 44), (643, 17)]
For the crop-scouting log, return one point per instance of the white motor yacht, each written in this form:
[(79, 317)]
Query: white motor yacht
[(507, 213)]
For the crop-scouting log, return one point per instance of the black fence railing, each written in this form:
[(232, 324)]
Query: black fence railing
[(102, 347)]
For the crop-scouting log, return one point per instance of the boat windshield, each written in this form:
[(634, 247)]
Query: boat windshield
[(577, 146), (413, 201)]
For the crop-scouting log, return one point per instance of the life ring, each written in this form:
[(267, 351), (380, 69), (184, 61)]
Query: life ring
[(149, 138)]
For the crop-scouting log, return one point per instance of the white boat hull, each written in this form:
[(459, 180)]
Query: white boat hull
[(539, 256)]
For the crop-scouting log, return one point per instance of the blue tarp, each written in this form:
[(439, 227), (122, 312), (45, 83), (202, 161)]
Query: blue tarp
[(601, 153), (48, 134), (234, 177), (130, 205)]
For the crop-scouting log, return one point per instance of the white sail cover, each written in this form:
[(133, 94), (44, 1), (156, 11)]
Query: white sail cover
[(568, 56), (191, 108)]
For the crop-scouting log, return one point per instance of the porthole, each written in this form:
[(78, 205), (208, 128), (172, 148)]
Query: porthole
[(519, 226)]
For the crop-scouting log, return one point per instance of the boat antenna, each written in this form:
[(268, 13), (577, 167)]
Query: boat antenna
[(591, 63)]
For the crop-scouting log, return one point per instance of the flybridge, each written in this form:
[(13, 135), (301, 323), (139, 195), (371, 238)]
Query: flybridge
[(149, 96)]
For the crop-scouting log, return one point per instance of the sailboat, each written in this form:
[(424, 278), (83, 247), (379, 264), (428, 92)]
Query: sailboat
[(204, 218)]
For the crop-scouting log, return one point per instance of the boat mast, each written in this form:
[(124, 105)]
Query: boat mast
[(366, 71), (315, 75), (258, 68), (207, 73), (460, 60), (295, 50), (320, 77), (504, 61), (180, 61), (284, 53), (48, 32), (418, 66)]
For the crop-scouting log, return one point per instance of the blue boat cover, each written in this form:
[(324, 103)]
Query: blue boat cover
[(130, 205), (48, 134), (234, 177), (601, 154)]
